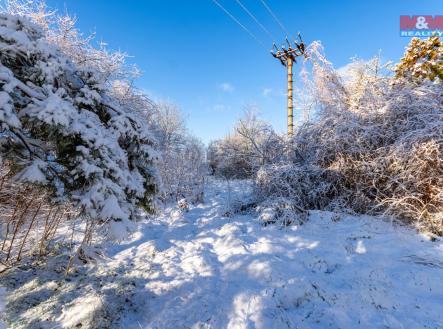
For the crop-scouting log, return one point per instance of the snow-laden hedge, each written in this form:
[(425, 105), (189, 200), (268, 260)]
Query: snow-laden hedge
[(375, 146), (60, 128)]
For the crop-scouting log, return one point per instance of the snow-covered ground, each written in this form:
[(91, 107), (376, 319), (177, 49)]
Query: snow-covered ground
[(2, 306), (200, 269)]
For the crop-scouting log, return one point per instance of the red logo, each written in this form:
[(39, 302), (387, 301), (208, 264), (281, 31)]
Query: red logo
[(421, 22)]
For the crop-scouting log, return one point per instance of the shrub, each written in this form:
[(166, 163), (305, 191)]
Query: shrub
[(375, 146), (252, 144), (66, 138), (181, 166)]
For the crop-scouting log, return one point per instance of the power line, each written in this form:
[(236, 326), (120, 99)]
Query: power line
[(275, 18), (238, 22), (255, 19)]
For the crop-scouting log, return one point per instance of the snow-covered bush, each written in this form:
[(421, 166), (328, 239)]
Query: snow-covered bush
[(181, 165), (64, 129), (280, 210), (308, 186), (375, 146), (252, 144), (423, 59)]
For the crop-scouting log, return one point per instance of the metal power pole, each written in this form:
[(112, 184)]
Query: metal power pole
[(287, 58), (290, 61)]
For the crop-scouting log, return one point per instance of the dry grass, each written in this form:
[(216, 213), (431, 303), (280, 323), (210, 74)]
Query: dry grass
[(29, 219)]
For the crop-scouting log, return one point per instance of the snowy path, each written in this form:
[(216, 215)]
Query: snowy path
[(201, 270)]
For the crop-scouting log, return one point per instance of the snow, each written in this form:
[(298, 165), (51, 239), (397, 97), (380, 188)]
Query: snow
[(111, 209), (33, 173), (81, 309), (7, 113), (2, 306), (202, 270), (199, 269)]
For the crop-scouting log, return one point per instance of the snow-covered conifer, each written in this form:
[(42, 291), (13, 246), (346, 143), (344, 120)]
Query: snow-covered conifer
[(61, 123)]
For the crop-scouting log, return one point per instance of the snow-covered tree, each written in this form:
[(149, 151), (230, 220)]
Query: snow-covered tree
[(61, 30), (63, 129), (182, 163), (169, 124), (253, 143)]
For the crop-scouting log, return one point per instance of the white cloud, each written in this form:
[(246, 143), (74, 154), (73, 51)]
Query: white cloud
[(267, 92), (226, 87)]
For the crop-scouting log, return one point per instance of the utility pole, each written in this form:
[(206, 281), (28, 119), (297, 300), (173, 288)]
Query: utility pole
[(287, 57)]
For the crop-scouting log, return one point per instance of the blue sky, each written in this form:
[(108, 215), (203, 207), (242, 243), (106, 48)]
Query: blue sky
[(192, 54)]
